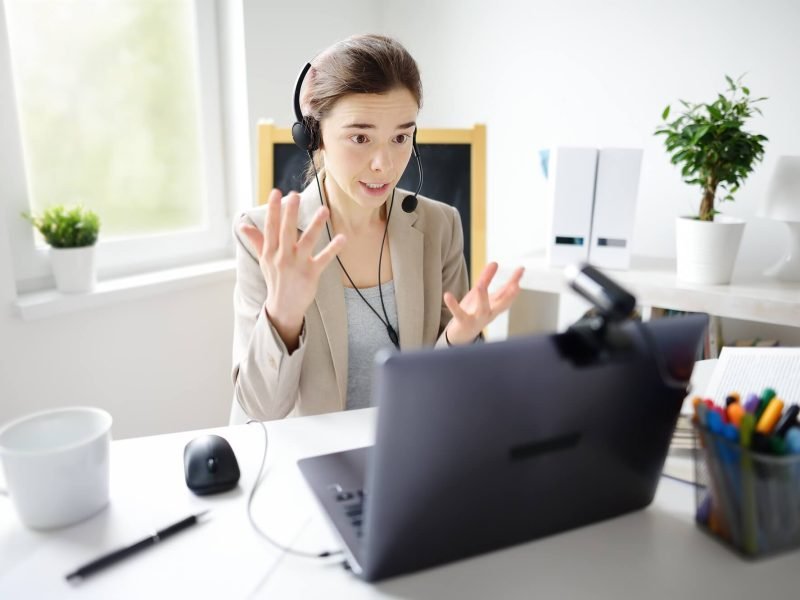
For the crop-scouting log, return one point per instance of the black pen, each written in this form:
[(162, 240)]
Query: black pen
[(118, 555)]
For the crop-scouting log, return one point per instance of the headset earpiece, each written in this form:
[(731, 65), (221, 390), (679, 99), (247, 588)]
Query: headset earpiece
[(304, 134)]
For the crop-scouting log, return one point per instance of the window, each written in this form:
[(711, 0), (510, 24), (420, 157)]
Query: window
[(118, 108)]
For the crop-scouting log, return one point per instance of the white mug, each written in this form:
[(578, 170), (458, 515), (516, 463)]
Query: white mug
[(56, 465)]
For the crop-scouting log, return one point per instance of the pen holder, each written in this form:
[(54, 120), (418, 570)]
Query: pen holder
[(748, 500)]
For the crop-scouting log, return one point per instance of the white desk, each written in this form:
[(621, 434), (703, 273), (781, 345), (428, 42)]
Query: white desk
[(654, 553)]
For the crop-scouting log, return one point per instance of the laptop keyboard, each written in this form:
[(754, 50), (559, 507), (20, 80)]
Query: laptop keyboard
[(352, 504)]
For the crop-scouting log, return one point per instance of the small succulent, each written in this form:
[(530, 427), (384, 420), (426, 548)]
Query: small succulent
[(67, 226)]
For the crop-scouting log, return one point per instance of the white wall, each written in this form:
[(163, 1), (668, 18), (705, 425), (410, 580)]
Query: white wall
[(158, 365), (282, 37), (582, 72)]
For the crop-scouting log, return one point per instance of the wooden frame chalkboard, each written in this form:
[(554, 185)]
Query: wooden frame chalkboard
[(454, 161)]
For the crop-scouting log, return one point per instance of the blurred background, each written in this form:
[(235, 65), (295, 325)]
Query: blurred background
[(145, 110)]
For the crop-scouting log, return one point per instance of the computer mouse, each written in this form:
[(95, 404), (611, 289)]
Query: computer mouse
[(210, 465)]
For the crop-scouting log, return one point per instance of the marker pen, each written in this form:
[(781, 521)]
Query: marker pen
[(751, 404), (788, 420), (770, 416)]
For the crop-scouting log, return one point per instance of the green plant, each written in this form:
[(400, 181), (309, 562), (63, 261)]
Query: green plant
[(709, 141), (66, 227)]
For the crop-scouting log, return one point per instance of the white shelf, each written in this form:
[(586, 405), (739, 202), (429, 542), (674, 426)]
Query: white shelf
[(652, 280)]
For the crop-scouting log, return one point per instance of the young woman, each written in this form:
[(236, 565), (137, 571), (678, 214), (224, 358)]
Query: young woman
[(328, 277)]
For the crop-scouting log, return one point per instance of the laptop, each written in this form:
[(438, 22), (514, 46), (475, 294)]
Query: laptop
[(489, 445)]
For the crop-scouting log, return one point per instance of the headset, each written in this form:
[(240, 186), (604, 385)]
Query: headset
[(306, 136)]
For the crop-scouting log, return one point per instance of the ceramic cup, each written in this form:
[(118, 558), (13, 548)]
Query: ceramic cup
[(56, 465)]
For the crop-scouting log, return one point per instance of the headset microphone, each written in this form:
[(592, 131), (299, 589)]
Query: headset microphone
[(409, 203)]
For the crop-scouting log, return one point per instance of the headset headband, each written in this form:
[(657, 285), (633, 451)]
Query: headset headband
[(298, 86)]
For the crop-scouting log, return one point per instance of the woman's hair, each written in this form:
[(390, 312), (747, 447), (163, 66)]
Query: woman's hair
[(362, 64)]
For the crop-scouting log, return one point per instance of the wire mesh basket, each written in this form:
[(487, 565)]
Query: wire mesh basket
[(748, 500)]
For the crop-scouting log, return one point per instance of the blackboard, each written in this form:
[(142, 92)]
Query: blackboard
[(454, 166), (446, 169)]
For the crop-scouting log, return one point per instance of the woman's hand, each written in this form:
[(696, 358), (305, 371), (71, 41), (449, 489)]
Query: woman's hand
[(477, 309), (290, 271)]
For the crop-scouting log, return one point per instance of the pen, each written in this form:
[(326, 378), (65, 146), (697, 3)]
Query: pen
[(116, 556)]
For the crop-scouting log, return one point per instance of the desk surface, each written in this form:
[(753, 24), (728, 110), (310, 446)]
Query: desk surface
[(654, 553)]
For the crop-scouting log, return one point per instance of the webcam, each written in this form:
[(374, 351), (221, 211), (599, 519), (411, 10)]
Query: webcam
[(597, 337)]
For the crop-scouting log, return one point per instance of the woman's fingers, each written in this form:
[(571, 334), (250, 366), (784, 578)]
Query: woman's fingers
[(502, 299), (272, 222), (512, 281), (288, 232), (486, 277), (311, 235), (516, 276), (328, 253), (500, 295), (455, 308), (253, 235)]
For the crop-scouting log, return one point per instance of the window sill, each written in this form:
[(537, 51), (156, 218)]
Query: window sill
[(41, 305)]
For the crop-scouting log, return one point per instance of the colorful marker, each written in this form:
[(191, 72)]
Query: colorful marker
[(749, 509), (751, 404), (735, 413), (770, 416), (762, 406), (746, 430), (788, 420), (793, 440)]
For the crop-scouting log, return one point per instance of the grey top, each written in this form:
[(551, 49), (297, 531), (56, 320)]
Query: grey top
[(365, 336)]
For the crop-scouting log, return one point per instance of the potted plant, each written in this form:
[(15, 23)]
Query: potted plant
[(715, 153), (71, 233)]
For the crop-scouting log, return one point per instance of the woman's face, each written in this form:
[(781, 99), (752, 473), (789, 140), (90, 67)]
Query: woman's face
[(367, 142)]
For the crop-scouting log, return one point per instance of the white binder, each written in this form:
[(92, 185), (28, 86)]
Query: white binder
[(616, 192), (570, 192)]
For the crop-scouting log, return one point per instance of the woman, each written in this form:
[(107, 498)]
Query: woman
[(328, 277)]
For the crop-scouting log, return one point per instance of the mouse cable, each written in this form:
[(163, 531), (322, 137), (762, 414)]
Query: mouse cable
[(253, 523), (682, 480)]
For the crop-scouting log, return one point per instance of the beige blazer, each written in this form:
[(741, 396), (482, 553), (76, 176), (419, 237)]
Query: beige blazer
[(427, 256)]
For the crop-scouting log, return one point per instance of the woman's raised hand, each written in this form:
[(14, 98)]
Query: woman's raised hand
[(290, 271), (478, 308)]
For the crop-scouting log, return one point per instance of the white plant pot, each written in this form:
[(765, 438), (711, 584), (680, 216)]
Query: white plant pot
[(706, 250), (73, 269)]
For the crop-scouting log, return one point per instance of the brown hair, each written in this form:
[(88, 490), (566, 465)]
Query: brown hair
[(361, 64)]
